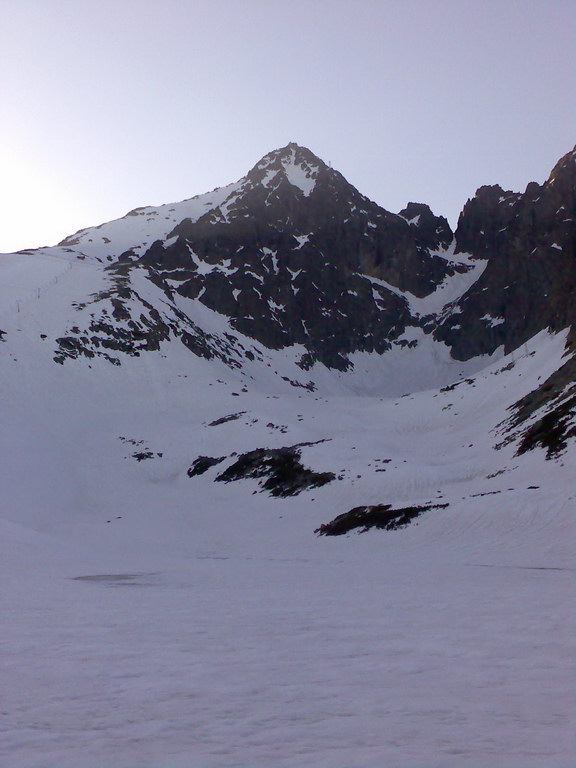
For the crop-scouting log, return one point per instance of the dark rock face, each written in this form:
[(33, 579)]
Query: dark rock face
[(226, 419), (431, 232), (202, 464), (482, 225), (552, 431), (375, 516), (279, 470), (554, 401), (119, 321), (529, 283), (298, 256)]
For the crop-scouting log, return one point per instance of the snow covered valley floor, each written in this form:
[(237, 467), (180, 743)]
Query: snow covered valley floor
[(333, 659), (153, 619)]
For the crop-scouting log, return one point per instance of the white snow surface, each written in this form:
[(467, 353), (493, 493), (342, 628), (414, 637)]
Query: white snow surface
[(153, 620), (298, 172), (414, 220), (299, 176), (141, 227), (453, 287)]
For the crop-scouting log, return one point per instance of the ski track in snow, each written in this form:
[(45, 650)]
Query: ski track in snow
[(162, 621)]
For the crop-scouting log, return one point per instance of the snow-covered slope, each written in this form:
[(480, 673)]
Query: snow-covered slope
[(142, 226), (171, 598)]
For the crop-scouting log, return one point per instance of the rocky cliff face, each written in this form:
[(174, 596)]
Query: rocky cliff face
[(431, 232), (529, 282)]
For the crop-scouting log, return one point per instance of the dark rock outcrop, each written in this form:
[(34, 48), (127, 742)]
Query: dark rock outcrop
[(554, 405), (529, 283), (431, 232), (376, 516), (202, 464), (279, 470)]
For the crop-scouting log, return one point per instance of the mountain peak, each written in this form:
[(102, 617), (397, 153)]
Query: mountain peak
[(291, 153), (297, 164)]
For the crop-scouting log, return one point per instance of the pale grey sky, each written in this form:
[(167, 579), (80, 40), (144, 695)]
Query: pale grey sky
[(114, 104)]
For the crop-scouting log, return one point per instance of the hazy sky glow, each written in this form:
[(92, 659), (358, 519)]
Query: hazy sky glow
[(114, 104)]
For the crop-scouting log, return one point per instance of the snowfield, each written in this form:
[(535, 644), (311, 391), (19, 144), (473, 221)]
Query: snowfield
[(157, 620)]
